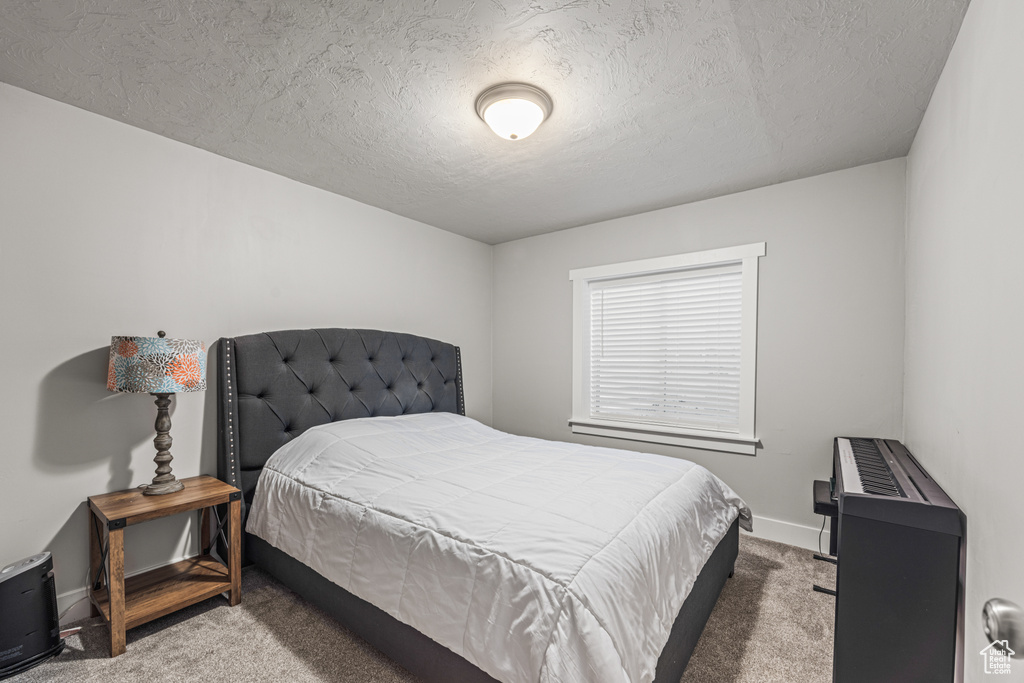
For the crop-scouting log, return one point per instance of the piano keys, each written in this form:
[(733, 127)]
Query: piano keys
[(901, 551)]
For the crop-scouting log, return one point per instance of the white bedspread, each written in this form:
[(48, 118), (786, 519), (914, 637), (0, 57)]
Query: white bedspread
[(535, 560)]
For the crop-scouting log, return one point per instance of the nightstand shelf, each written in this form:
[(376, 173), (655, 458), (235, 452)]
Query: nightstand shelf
[(167, 589), (127, 603)]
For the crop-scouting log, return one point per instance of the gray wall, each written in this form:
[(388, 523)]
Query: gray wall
[(965, 310), (830, 329), (106, 229)]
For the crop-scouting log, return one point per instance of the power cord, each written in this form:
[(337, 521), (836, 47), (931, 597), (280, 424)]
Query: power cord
[(71, 607)]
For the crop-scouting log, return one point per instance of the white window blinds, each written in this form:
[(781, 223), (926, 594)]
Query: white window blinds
[(665, 349)]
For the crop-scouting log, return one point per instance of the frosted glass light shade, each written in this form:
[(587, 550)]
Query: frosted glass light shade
[(513, 119), (513, 110)]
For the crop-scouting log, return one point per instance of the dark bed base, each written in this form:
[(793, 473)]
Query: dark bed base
[(273, 386), (435, 663)]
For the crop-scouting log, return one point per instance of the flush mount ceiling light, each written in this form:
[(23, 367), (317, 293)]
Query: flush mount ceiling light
[(513, 110)]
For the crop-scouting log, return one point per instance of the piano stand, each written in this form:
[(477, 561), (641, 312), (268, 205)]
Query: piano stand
[(824, 504)]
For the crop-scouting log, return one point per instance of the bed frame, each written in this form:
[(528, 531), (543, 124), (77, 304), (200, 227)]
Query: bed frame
[(275, 385)]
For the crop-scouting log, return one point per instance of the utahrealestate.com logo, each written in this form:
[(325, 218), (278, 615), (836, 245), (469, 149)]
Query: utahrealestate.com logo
[(997, 657)]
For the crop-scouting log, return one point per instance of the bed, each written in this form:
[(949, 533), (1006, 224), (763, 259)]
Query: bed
[(387, 450)]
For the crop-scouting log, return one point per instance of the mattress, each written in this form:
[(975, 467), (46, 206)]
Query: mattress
[(534, 560)]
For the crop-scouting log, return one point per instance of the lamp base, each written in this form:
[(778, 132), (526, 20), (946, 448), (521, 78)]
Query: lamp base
[(164, 482), (162, 488)]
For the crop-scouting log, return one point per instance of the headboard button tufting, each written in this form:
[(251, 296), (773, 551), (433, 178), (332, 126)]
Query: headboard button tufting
[(396, 363)]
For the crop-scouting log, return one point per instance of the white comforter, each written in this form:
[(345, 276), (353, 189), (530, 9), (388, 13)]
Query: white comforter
[(535, 560)]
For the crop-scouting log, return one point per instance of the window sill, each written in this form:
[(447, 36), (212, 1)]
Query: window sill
[(708, 441)]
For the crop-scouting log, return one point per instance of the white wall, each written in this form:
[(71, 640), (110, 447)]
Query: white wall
[(91, 208), (830, 328), (107, 229), (965, 301)]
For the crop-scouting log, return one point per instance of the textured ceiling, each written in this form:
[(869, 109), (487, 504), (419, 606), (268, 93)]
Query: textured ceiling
[(655, 103)]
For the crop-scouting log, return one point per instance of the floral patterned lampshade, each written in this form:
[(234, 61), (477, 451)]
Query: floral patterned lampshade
[(156, 365)]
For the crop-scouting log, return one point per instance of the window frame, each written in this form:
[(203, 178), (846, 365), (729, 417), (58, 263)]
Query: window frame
[(744, 441)]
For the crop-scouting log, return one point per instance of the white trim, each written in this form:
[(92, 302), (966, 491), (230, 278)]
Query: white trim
[(744, 441), (672, 436), (580, 344), (748, 345), (675, 262), (789, 533), (76, 602)]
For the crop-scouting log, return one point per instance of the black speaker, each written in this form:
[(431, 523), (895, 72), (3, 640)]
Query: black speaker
[(29, 626)]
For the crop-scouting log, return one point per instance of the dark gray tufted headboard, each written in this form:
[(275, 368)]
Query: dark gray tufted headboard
[(275, 385)]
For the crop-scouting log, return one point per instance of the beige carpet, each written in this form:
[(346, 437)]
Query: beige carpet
[(768, 626)]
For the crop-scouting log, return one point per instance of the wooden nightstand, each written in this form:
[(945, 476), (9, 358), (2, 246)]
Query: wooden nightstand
[(126, 604)]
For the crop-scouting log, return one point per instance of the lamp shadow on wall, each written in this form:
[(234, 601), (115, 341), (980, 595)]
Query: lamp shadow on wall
[(79, 423), (208, 443)]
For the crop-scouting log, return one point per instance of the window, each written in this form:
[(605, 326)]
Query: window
[(664, 349)]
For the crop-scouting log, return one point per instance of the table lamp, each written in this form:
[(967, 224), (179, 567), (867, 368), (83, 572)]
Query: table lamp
[(161, 367)]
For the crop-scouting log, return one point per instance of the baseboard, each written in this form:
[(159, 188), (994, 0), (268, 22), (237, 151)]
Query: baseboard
[(791, 534), (76, 603)]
